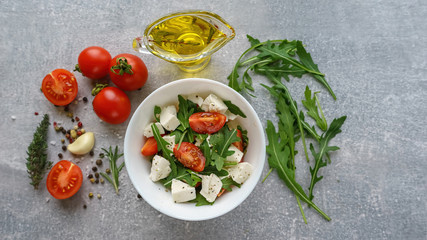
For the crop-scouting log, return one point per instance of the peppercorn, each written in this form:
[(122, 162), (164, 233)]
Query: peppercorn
[(84, 206), (99, 196), (60, 155), (101, 180), (62, 141), (92, 180), (80, 124), (63, 131), (36, 113), (64, 148), (73, 134), (139, 196), (90, 176), (70, 140), (79, 133), (61, 128), (82, 130), (98, 162), (70, 114), (108, 170), (77, 119), (84, 99), (72, 119), (94, 169), (90, 194), (101, 155), (97, 175), (91, 152), (67, 135), (96, 181)]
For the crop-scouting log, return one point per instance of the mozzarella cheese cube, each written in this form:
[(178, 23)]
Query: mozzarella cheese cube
[(211, 186), (182, 192), (213, 104), (171, 141), (195, 98), (160, 168), (230, 116), (240, 172), (168, 118), (236, 156), (148, 132)]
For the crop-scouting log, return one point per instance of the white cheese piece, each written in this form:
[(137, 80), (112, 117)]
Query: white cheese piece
[(240, 172), (171, 141), (211, 186), (148, 132), (160, 168), (182, 192), (200, 141), (195, 98), (168, 118), (213, 104), (236, 156), (230, 116)]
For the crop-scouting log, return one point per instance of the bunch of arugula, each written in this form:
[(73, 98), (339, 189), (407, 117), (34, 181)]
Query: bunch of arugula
[(275, 60), (215, 151)]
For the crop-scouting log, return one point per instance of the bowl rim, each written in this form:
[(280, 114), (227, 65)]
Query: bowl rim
[(256, 174)]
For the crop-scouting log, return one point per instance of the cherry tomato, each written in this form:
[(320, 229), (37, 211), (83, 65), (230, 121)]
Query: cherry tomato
[(112, 105), (150, 147), (207, 122), (64, 179), (190, 156), (128, 72), (239, 144), (94, 62), (60, 87)]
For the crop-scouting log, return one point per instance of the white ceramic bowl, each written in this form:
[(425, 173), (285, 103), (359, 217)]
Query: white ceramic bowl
[(139, 166)]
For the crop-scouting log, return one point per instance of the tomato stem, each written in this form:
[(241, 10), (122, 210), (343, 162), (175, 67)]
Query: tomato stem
[(123, 66), (98, 87)]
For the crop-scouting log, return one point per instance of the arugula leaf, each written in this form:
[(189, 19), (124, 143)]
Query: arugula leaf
[(278, 159), (183, 174), (221, 141), (184, 113), (201, 201), (228, 182), (333, 130), (212, 169), (311, 105), (157, 111), (234, 109), (206, 152)]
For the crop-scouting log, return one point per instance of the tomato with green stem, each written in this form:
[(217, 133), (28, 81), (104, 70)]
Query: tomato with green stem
[(60, 87), (128, 72), (64, 179)]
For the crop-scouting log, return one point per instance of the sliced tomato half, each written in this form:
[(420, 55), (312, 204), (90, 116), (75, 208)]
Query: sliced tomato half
[(60, 87), (207, 122), (190, 156), (64, 179)]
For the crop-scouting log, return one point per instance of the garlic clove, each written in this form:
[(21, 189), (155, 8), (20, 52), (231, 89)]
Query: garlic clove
[(83, 144)]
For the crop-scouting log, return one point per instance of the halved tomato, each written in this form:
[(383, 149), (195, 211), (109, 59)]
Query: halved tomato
[(150, 147), (190, 156), (64, 179), (207, 122), (60, 87), (239, 144)]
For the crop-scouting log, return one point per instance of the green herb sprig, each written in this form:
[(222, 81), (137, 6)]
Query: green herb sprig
[(37, 163), (113, 157)]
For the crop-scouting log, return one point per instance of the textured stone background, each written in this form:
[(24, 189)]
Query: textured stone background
[(374, 55)]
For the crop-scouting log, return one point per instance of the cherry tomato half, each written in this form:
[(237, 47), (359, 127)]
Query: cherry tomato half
[(239, 144), (112, 105), (190, 156), (60, 87), (150, 147), (64, 179), (207, 122), (94, 62), (128, 81)]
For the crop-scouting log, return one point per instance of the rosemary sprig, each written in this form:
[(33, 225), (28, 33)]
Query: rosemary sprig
[(113, 157), (37, 163)]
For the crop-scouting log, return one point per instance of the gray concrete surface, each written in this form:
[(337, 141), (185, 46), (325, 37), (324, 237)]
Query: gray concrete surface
[(374, 55)]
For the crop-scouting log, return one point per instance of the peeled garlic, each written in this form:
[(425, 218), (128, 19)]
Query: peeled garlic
[(83, 144)]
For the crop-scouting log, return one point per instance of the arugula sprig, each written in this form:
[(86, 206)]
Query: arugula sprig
[(276, 56), (333, 130)]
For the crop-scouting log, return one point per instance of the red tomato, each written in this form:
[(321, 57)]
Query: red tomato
[(207, 122), (239, 144), (150, 147), (94, 62), (190, 156), (64, 179), (112, 105), (128, 74), (60, 87)]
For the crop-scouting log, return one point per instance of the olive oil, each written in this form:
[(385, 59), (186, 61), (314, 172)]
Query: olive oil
[(186, 36)]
